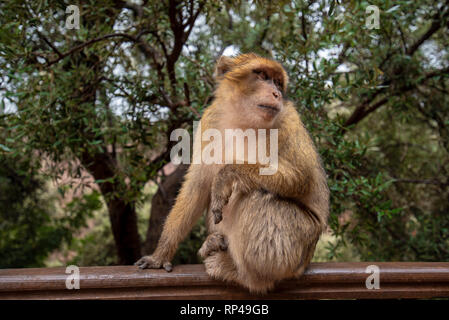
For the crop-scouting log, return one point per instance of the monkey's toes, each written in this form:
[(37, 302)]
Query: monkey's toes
[(147, 262), (223, 243), (213, 243), (168, 266)]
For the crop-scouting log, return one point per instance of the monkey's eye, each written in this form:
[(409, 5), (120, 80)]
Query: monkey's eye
[(261, 74), (278, 84)]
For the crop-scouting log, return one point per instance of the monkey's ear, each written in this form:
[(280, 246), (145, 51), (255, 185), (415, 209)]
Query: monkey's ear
[(224, 64)]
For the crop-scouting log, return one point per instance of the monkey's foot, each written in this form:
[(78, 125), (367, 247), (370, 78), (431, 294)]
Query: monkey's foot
[(150, 262), (213, 243)]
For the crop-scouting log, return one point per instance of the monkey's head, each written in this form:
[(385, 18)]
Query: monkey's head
[(253, 86)]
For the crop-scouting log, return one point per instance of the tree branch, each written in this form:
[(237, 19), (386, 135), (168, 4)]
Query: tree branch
[(439, 20), (365, 109), (88, 43), (180, 35), (49, 44)]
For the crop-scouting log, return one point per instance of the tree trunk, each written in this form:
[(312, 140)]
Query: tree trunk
[(161, 204), (124, 228), (101, 165), (122, 214)]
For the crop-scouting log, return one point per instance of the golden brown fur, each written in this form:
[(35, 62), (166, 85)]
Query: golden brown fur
[(262, 228)]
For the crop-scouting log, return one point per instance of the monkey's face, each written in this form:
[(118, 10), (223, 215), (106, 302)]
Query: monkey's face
[(253, 87), (261, 96)]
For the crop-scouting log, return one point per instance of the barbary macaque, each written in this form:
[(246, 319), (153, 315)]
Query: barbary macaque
[(262, 227)]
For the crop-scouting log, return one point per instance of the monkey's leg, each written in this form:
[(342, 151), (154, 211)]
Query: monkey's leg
[(310, 249), (220, 266), (213, 243), (271, 239)]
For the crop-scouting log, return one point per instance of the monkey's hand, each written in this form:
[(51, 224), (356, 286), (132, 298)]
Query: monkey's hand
[(217, 206), (221, 192), (151, 262)]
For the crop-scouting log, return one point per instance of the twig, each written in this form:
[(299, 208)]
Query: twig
[(87, 43)]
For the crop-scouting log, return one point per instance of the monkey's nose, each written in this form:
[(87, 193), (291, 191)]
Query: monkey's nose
[(276, 94)]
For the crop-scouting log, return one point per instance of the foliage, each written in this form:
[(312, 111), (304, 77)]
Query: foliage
[(86, 249), (187, 253), (30, 226), (26, 232)]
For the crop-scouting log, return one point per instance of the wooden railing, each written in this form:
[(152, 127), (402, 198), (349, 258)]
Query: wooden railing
[(321, 281)]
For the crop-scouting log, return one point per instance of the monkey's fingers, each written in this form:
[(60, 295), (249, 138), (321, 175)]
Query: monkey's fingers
[(148, 262), (218, 215)]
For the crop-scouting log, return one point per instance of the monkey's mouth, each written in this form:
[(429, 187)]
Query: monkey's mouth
[(269, 108)]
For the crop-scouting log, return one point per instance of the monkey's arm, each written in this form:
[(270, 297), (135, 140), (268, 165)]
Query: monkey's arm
[(191, 202), (296, 165), (288, 181)]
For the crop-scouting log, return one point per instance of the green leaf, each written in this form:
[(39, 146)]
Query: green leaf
[(392, 9), (5, 148)]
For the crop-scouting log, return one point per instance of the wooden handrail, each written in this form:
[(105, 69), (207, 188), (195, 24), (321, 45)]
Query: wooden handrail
[(342, 280)]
